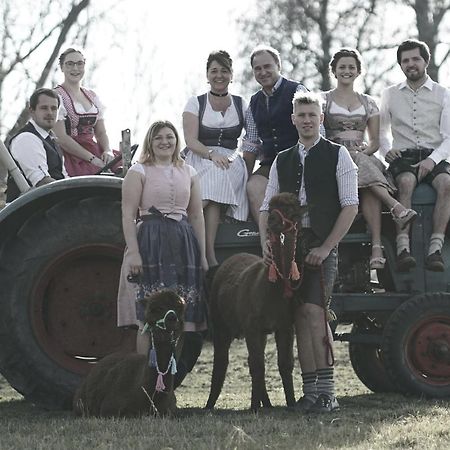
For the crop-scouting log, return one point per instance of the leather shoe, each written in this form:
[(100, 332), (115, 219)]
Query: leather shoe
[(405, 261), (434, 262)]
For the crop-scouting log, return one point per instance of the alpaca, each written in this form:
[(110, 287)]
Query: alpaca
[(251, 300), (125, 385)]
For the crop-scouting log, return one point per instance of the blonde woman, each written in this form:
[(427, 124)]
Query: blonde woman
[(166, 247)]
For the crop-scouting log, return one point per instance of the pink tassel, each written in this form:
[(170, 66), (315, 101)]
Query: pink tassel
[(295, 274), (272, 273), (160, 386)]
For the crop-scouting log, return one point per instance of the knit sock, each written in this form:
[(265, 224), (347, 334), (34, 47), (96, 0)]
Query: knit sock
[(402, 242), (309, 380), (325, 381), (436, 243)]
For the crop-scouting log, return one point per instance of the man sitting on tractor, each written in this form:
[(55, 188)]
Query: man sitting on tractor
[(34, 149), (417, 114)]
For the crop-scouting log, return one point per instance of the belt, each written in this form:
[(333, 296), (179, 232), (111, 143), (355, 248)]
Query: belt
[(417, 152)]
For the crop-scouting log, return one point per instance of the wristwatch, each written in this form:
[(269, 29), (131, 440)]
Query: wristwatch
[(210, 152)]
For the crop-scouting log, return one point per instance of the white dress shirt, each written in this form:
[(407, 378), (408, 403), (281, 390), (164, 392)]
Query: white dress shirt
[(416, 119), (29, 152)]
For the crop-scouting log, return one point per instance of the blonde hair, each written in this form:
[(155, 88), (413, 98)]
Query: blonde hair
[(147, 154)]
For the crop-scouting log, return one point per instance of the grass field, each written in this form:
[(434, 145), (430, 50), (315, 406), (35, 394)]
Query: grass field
[(366, 420)]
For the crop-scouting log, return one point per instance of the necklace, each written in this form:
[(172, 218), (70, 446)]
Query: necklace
[(218, 95)]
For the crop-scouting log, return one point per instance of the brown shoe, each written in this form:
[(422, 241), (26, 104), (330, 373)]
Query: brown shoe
[(405, 261), (434, 262)]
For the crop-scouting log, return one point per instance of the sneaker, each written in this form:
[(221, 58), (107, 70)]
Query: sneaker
[(405, 261), (325, 404), (303, 404), (434, 262)]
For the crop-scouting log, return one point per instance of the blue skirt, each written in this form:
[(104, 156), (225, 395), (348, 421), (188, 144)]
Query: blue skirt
[(171, 260)]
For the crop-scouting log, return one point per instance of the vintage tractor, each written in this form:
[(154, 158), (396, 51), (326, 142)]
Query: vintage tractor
[(61, 249)]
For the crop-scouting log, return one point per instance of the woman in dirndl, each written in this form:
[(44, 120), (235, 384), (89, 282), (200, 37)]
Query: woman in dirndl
[(348, 117), (212, 124), (80, 127), (165, 247)]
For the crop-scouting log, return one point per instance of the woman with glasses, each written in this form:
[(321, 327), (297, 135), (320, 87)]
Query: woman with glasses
[(80, 128)]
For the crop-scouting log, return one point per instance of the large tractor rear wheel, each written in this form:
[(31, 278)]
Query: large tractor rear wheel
[(59, 279), (368, 362), (416, 345)]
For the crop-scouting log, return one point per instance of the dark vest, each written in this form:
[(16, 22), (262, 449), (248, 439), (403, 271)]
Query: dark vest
[(54, 162), (322, 194), (221, 137), (274, 124)]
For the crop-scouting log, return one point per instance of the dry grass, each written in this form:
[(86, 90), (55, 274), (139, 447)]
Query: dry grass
[(366, 420)]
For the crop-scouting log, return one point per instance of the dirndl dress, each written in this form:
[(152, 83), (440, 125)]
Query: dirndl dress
[(171, 260), (348, 128)]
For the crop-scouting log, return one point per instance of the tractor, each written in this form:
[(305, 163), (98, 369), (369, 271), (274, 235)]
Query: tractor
[(61, 248)]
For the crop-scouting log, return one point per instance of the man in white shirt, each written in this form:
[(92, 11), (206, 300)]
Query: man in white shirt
[(416, 113), (33, 148)]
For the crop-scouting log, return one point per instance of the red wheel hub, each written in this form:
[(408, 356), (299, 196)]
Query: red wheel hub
[(428, 350), (73, 307)]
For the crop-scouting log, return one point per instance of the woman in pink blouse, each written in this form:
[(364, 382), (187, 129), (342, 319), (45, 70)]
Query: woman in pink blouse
[(166, 246)]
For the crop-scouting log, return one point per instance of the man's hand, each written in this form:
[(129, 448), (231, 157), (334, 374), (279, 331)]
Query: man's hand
[(425, 167), (391, 155), (316, 256)]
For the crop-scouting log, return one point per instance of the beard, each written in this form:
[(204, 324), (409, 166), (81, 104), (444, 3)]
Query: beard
[(418, 75)]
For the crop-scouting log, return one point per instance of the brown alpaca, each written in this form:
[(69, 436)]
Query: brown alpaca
[(244, 303), (123, 385)]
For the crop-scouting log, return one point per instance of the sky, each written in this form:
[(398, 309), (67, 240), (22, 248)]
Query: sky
[(137, 73)]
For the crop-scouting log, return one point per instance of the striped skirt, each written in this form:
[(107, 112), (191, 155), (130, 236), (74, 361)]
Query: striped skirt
[(225, 186)]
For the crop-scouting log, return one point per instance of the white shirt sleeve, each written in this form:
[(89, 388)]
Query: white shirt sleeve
[(192, 106), (28, 150), (385, 124), (442, 153), (273, 188)]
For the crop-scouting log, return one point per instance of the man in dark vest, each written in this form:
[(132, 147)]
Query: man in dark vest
[(33, 147), (268, 121), (325, 179)]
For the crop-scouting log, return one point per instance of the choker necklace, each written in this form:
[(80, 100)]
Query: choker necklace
[(218, 95)]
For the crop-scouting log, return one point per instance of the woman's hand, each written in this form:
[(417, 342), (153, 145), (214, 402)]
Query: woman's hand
[(134, 263), (107, 157), (219, 160), (204, 264), (97, 162)]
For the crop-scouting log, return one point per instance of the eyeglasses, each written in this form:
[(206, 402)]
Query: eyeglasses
[(72, 64)]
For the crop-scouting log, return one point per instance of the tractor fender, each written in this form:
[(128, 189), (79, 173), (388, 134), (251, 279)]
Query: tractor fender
[(40, 198)]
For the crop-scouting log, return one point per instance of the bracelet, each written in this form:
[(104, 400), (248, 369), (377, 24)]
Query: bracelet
[(209, 154), (91, 158)]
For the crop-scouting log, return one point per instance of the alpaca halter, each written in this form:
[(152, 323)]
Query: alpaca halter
[(153, 362), (274, 271), (152, 356)]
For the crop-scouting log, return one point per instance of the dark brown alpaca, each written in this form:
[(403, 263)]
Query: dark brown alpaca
[(123, 384), (244, 303)]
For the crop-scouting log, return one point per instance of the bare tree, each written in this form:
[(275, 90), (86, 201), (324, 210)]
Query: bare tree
[(430, 16), (22, 45), (307, 32)]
